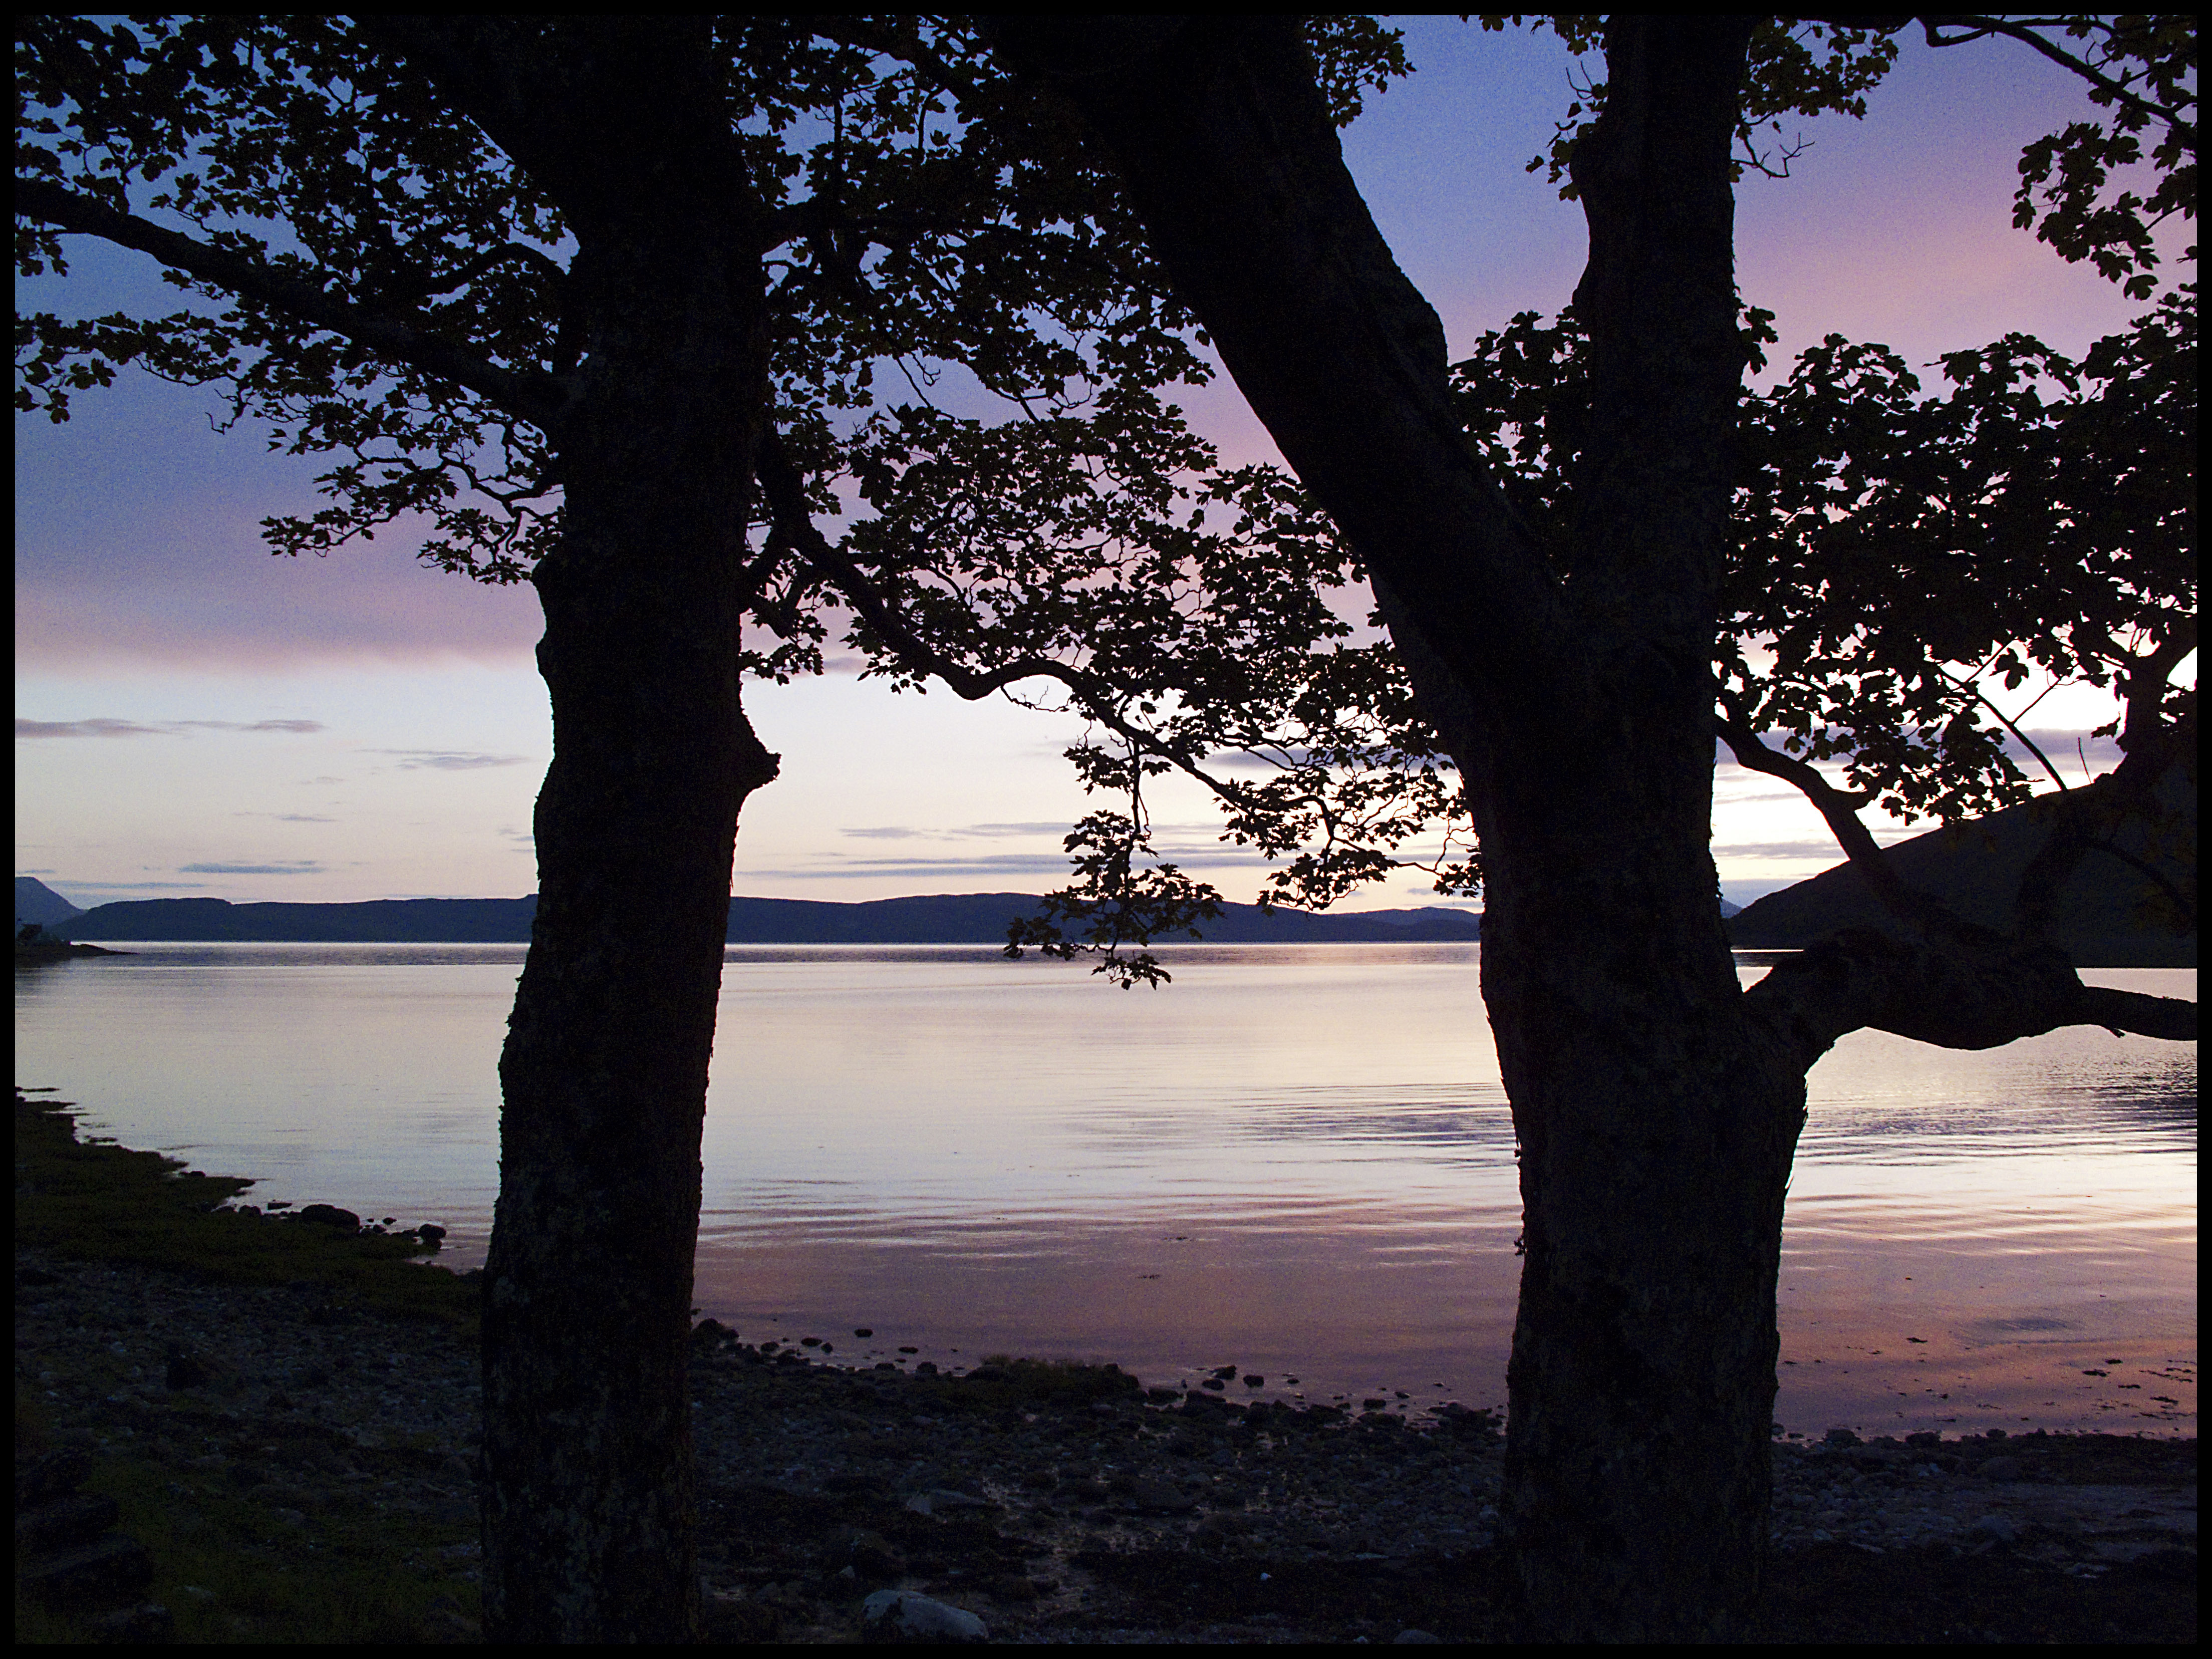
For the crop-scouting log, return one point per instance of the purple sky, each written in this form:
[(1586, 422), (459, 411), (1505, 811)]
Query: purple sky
[(409, 728)]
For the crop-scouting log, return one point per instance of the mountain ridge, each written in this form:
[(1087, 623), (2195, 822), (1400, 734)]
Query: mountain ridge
[(1976, 867), (921, 919)]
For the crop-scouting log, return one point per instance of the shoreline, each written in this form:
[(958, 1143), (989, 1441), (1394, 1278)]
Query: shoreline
[(307, 1429)]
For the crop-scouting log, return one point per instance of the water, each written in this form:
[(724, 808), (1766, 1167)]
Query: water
[(1298, 1159)]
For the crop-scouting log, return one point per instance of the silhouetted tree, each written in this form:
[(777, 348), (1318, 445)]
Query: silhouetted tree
[(1580, 630), (609, 300)]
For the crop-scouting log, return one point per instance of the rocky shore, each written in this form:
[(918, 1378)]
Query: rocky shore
[(271, 1450)]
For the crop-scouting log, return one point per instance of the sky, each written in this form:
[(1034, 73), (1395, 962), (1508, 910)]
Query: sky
[(195, 716)]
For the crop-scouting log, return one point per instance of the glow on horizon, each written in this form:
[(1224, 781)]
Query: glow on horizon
[(144, 595)]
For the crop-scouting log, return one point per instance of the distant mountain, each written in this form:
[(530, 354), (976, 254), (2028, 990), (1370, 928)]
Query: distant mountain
[(36, 902), (380, 921), (1976, 870), (936, 919)]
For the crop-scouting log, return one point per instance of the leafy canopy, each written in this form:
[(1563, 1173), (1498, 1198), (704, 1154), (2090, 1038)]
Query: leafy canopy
[(369, 277)]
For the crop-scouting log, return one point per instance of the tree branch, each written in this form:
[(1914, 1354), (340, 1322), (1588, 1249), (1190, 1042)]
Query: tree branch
[(2010, 725), (1907, 903), (1229, 158), (537, 399), (2023, 29), (1950, 997), (783, 492)]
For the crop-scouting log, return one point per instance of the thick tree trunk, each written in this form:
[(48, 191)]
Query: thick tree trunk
[(1656, 1125), (1656, 1133), (589, 1508), (1656, 1121)]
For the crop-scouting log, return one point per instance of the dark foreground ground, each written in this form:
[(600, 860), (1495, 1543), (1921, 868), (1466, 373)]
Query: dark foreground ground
[(238, 1428)]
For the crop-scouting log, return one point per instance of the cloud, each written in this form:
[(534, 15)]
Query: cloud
[(1207, 856), (93, 728), (1821, 847), (303, 867), (998, 863), (103, 728), (449, 760), (988, 831)]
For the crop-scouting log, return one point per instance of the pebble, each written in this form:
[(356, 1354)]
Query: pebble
[(907, 1616), (1189, 1471)]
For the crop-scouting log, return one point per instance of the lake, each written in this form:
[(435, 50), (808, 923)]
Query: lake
[(1296, 1159)]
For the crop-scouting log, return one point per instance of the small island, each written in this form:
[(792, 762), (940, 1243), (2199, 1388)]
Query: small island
[(34, 944)]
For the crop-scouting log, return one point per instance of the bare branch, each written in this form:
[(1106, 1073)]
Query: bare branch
[(2006, 720), (2023, 29), (1907, 903), (537, 399)]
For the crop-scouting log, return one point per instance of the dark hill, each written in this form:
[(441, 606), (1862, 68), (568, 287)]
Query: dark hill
[(1976, 869), (937, 919)]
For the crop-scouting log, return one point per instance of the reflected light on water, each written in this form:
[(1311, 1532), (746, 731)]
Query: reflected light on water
[(1296, 1159)]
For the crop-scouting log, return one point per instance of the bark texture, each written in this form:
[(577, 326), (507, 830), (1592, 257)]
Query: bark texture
[(589, 1506)]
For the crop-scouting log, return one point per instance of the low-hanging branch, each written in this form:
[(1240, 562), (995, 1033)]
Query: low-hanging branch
[(785, 494)]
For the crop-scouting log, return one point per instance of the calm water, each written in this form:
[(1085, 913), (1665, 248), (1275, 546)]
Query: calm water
[(1297, 1158)]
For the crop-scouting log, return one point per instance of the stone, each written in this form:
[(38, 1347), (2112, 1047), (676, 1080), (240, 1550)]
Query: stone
[(150, 1624), (1998, 1528), (111, 1569), (1420, 1635), (183, 1369), (2000, 1468), (329, 1215), (938, 1500), (1840, 1438), (50, 1475), (903, 1616), (1158, 1497), (66, 1523)]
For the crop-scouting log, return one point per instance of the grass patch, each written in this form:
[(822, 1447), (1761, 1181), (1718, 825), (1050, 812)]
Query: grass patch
[(263, 1528), (90, 1201), (237, 1566)]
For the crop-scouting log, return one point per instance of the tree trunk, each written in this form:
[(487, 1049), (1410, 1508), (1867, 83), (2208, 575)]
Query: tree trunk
[(589, 1506), (1655, 1139), (1657, 1123)]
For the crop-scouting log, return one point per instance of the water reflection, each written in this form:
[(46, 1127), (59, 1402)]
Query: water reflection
[(1299, 1159)]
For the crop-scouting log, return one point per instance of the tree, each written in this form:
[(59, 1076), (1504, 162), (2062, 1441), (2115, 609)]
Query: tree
[(758, 219), (606, 299), (1578, 656)]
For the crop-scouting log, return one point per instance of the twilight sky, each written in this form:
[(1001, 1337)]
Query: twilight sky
[(195, 717)]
